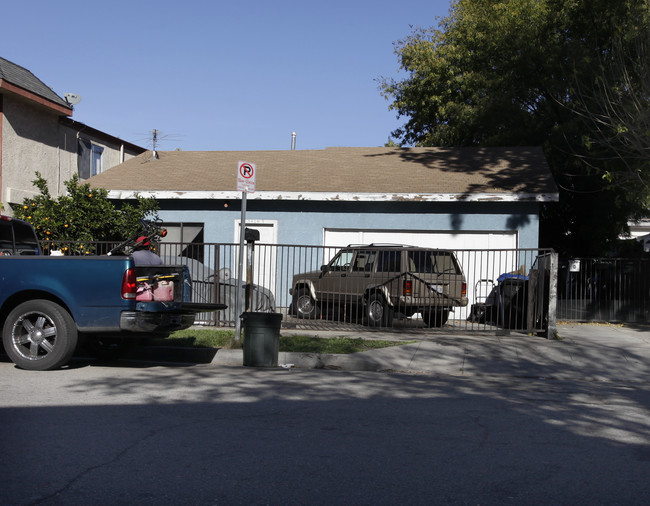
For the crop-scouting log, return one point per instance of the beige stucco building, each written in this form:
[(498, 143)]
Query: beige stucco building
[(38, 134)]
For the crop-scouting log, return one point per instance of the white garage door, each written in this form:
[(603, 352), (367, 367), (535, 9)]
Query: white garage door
[(426, 239)]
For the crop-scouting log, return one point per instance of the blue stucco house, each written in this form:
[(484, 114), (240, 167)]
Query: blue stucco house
[(482, 198)]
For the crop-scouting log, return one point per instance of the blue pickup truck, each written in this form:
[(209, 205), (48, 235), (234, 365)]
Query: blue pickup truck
[(49, 304)]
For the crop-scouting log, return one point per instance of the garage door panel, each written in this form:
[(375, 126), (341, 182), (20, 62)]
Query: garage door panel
[(444, 240)]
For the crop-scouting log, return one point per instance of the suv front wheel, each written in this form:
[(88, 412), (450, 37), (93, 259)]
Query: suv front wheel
[(304, 305)]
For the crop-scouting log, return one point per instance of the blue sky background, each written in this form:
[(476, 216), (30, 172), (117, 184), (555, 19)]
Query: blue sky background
[(214, 75)]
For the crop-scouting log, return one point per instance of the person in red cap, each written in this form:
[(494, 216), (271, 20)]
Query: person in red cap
[(142, 255)]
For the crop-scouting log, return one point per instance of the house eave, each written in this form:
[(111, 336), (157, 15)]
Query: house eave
[(336, 196), (28, 95)]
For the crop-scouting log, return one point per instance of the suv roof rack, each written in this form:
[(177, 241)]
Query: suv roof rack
[(380, 245)]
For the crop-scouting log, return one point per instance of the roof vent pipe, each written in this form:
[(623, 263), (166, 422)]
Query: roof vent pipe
[(293, 140)]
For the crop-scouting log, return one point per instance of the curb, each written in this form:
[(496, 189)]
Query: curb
[(220, 356)]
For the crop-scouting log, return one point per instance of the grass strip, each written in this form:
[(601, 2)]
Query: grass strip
[(210, 338)]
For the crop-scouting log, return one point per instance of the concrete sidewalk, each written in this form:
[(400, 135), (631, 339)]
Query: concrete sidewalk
[(590, 352)]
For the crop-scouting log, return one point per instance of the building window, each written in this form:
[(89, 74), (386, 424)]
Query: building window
[(96, 160), (184, 240)]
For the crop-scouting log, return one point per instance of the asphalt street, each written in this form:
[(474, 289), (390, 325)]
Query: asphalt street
[(136, 432)]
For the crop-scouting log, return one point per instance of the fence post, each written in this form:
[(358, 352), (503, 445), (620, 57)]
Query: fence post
[(551, 323), (216, 281)]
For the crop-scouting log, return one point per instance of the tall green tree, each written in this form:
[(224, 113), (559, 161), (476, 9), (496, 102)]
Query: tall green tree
[(614, 107), (83, 214), (510, 73)]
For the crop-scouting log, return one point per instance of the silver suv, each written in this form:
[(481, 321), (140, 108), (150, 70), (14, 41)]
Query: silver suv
[(376, 281)]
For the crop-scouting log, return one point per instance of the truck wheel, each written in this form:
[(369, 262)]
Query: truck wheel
[(304, 305), (378, 312), (436, 318), (39, 335)]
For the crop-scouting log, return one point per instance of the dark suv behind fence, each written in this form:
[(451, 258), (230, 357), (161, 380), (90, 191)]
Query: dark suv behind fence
[(376, 282), (17, 238)]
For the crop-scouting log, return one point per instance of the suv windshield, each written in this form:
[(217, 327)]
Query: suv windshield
[(342, 261)]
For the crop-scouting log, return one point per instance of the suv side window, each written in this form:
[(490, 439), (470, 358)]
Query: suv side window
[(433, 262), (26, 242), (446, 263), (6, 237), (364, 261), (389, 261)]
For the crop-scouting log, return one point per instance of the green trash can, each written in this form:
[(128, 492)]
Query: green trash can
[(261, 339)]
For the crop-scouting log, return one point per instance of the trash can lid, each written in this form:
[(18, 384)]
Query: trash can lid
[(507, 275)]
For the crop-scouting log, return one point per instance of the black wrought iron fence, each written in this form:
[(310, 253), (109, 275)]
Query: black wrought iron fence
[(456, 290), (503, 288), (604, 289), (473, 290)]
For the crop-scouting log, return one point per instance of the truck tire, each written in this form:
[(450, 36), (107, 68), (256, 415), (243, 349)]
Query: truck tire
[(304, 305), (378, 312), (39, 335)]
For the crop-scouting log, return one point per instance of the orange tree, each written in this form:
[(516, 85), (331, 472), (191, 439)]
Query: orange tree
[(82, 216)]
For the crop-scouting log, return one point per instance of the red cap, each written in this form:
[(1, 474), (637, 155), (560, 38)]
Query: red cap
[(143, 241)]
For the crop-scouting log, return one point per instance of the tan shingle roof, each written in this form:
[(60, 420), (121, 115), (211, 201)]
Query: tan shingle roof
[(353, 170)]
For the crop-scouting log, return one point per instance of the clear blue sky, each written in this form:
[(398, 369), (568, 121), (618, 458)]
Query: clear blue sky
[(215, 75)]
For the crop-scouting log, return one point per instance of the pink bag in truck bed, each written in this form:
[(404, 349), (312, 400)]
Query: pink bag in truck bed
[(163, 291), (144, 292)]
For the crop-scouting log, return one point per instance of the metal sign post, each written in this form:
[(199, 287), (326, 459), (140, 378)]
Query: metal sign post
[(246, 184)]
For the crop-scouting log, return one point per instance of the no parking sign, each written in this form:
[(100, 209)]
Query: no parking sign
[(246, 177)]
